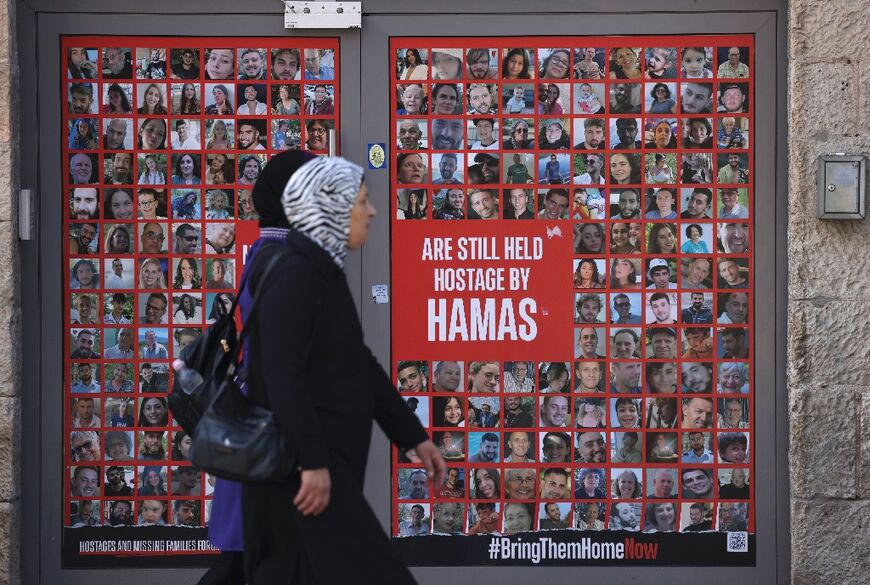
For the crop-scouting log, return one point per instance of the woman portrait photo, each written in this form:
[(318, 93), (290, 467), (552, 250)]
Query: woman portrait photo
[(219, 63), (285, 100), (412, 65), (555, 63), (151, 274), (152, 99), (625, 169), (220, 136), (220, 238), (487, 484), (185, 204), (411, 99), (452, 204), (412, 204), (187, 308), (662, 239), (187, 275), (447, 64), (517, 64), (152, 478), (219, 100), (625, 485), (449, 411), (117, 99), (660, 517), (589, 238), (186, 169), (153, 412), (185, 96), (119, 240), (625, 63), (661, 100), (152, 172), (152, 134), (620, 239), (83, 134)]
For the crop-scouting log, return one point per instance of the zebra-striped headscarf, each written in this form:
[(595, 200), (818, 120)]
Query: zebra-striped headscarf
[(318, 199)]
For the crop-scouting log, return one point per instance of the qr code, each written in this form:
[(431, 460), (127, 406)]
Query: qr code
[(738, 542)]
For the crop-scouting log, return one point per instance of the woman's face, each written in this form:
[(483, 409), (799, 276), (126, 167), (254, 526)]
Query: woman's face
[(627, 416), (217, 271), (85, 275), (153, 478), (447, 66), (590, 482), (122, 410), (731, 381), (151, 274), (664, 516), (590, 235), (516, 518), (586, 271), (217, 162), (186, 165), (557, 66), (456, 198), (189, 91), (622, 269), (152, 97), (620, 168), (122, 205), (486, 379), (77, 56), (663, 135), (661, 93), (186, 271), (694, 234), (220, 64), (120, 241), (115, 99), (227, 302), (153, 411), (150, 164), (634, 231), (411, 57), (515, 66), (625, 57), (187, 303), (184, 446), (447, 439), (225, 235), (250, 93), (219, 96), (412, 169), (666, 241), (120, 374), (190, 199), (246, 203), (412, 199), (83, 127), (485, 483), (453, 412), (283, 92), (626, 484), (619, 234), (412, 99), (152, 133)]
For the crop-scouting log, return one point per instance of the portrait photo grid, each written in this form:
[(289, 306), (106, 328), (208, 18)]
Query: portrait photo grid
[(164, 139), (637, 154)]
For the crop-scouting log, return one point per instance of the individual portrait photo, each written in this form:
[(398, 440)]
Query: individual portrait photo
[(734, 483), (446, 99), (152, 512), (151, 134), (219, 63), (554, 169), (447, 376), (733, 447), (519, 411), (554, 377), (590, 413), (734, 203), (120, 273), (447, 134), (696, 203), (411, 99), (118, 170), (555, 63), (589, 307), (249, 167), (625, 516), (733, 132), (481, 133), (84, 513), (84, 238), (626, 412), (186, 513), (220, 135), (411, 376), (661, 343), (85, 377), (733, 273), (625, 308), (117, 63), (696, 517), (660, 98), (414, 169), (414, 519), (120, 377), (186, 202), (318, 135), (519, 377), (81, 62), (319, 64), (733, 238), (117, 308), (219, 99), (152, 481), (449, 411), (555, 483), (697, 447), (84, 274), (83, 134), (589, 99), (447, 64), (733, 413), (482, 204), (218, 204), (185, 481), (697, 238), (625, 98), (626, 484), (696, 168), (625, 273), (452, 446), (733, 98), (412, 484), (83, 169), (733, 62), (591, 273), (119, 512), (151, 63), (218, 305), (85, 481), (184, 63), (286, 64), (448, 204), (411, 204), (590, 169), (119, 238), (152, 343), (555, 447), (481, 99), (589, 238), (590, 343), (286, 99), (518, 134), (252, 135), (627, 447), (481, 63), (555, 411), (697, 307), (221, 273), (252, 63), (695, 273), (588, 202), (661, 308), (220, 238), (519, 447), (521, 483), (286, 135), (187, 239), (117, 99), (625, 169), (554, 134), (518, 63), (696, 377), (151, 99), (660, 517), (554, 516), (591, 484), (412, 134), (588, 377), (660, 134), (589, 63), (412, 64), (553, 204), (119, 444), (696, 62), (661, 482), (519, 168), (696, 97), (518, 98), (120, 412), (152, 171), (153, 377), (187, 308), (81, 98), (448, 517), (252, 98), (660, 63), (697, 133), (220, 168), (85, 412), (554, 99), (733, 168), (183, 337), (185, 135), (624, 133)]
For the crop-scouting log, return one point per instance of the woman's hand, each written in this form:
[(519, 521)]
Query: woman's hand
[(430, 456), (313, 496)]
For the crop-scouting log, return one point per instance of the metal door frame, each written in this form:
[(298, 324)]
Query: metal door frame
[(39, 47), (516, 19)]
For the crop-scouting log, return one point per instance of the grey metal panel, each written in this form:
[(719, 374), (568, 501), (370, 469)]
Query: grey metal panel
[(44, 362), (771, 472)]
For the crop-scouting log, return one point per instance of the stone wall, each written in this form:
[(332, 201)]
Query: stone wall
[(828, 306), (9, 300)]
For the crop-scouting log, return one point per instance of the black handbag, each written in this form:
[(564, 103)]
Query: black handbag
[(233, 438)]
